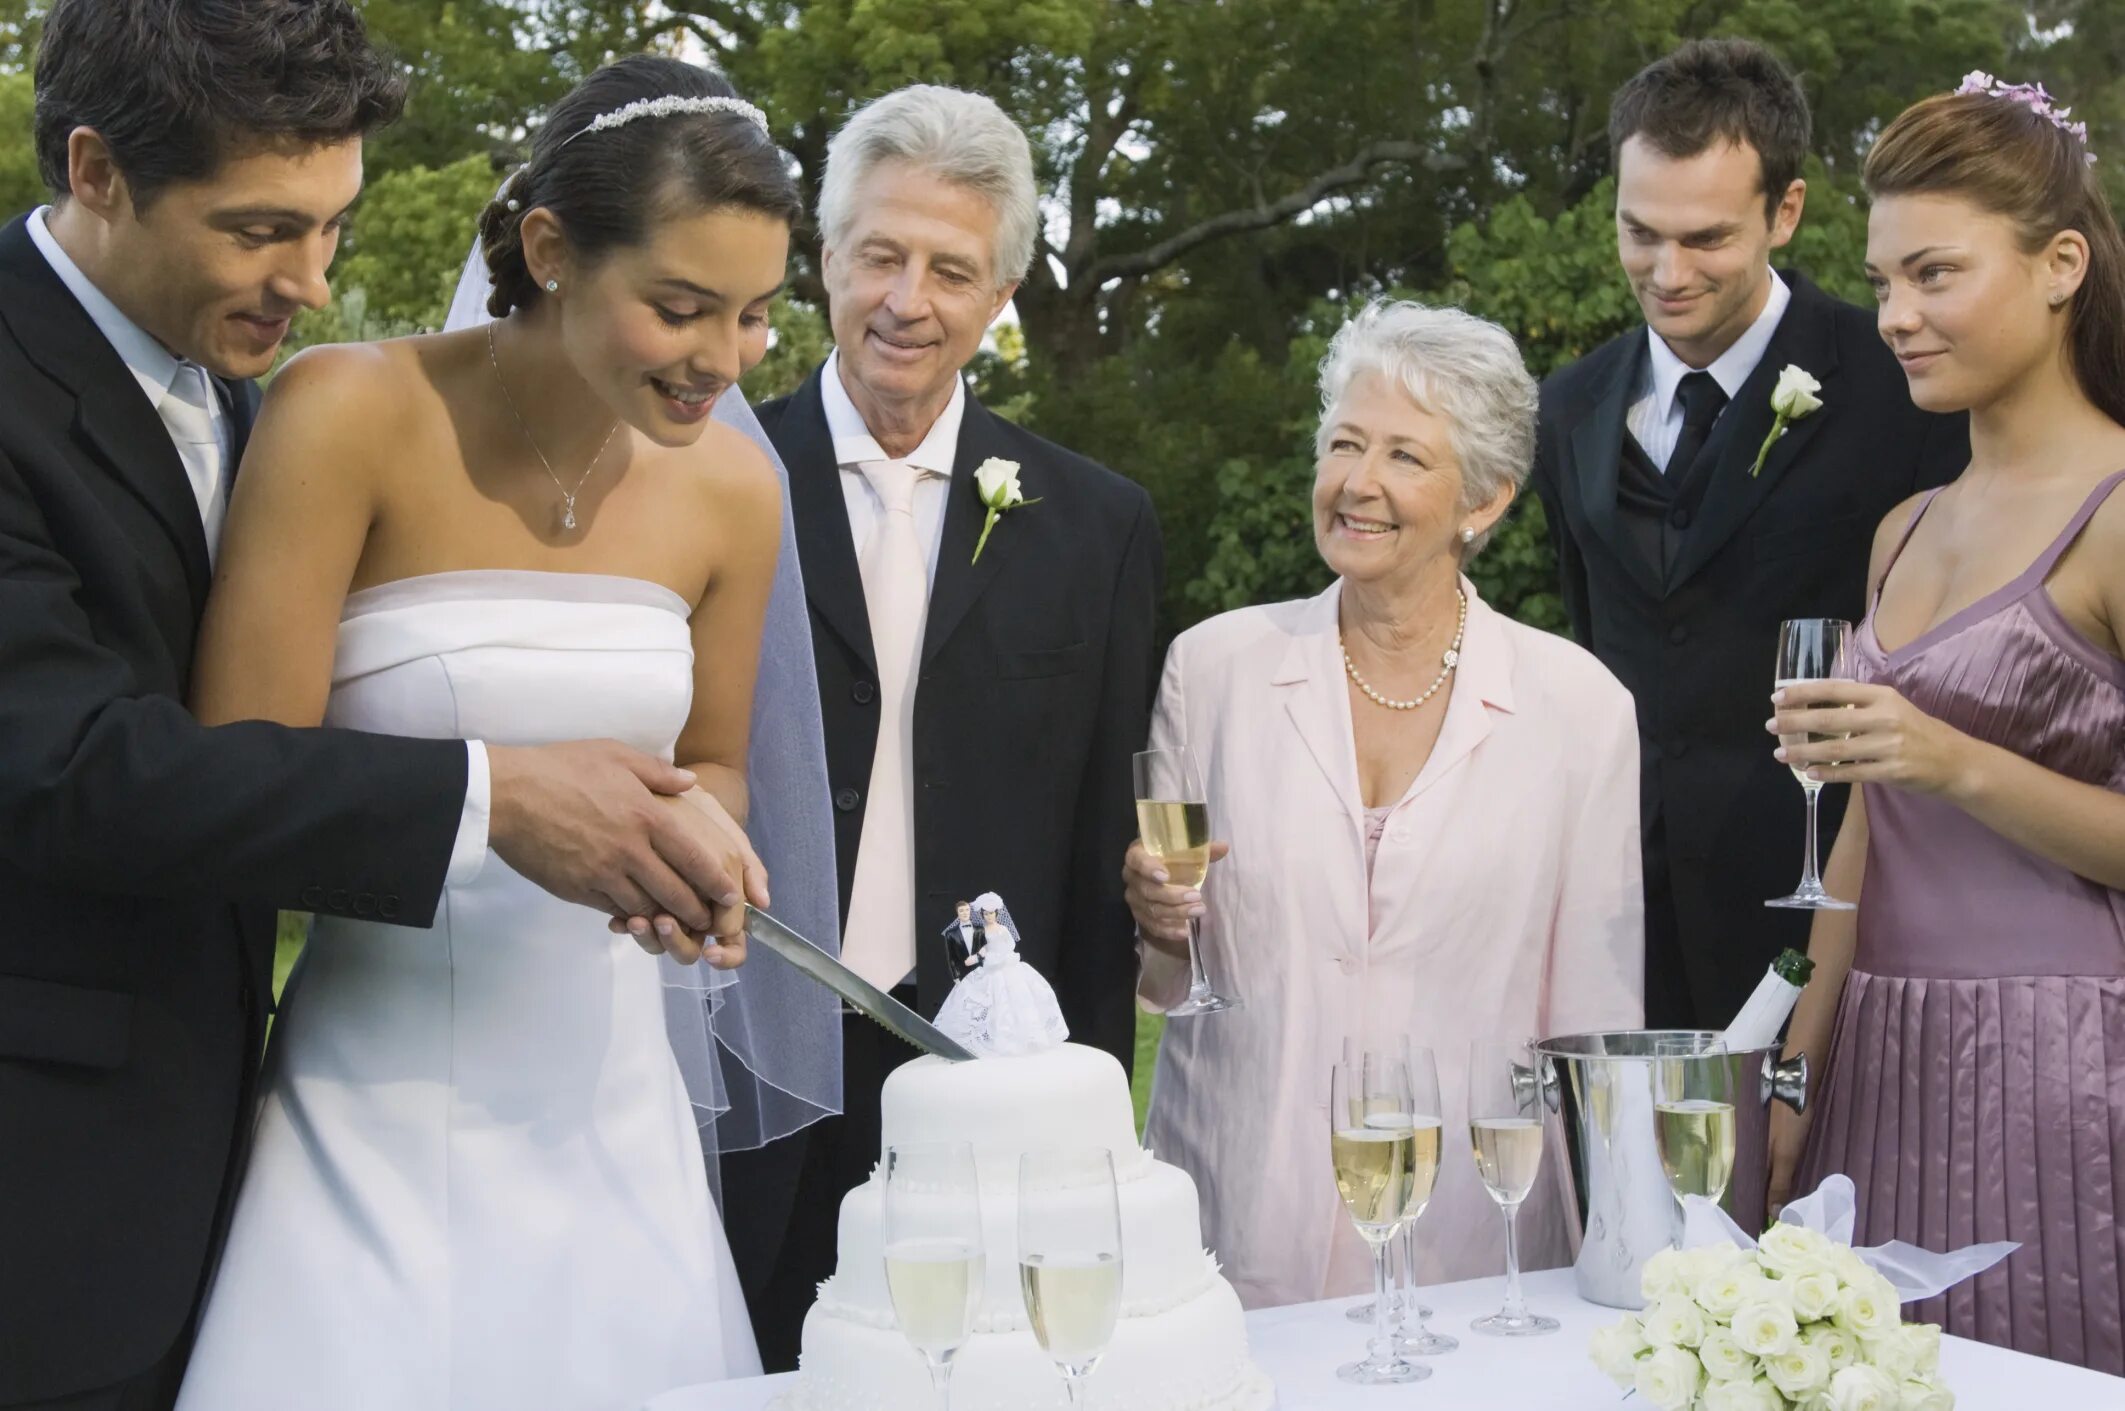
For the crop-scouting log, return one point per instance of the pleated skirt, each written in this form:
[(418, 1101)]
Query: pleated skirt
[(1992, 1109)]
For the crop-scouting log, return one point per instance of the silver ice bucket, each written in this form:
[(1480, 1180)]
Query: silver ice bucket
[(1601, 1087)]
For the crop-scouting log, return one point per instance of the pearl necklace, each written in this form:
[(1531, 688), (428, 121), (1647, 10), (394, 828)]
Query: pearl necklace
[(1452, 659)]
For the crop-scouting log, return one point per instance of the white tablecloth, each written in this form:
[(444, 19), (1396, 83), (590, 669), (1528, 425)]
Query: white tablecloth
[(1301, 1346)]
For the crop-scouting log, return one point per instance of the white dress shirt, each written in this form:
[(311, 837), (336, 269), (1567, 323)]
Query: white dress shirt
[(206, 467), (854, 444), (1655, 414)]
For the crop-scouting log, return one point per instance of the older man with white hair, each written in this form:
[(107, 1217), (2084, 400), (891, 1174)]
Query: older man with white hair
[(983, 613)]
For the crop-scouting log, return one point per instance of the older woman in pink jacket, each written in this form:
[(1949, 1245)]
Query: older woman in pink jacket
[(1431, 813)]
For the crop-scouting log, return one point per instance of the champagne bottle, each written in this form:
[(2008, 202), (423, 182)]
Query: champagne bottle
[(1765, 1014)]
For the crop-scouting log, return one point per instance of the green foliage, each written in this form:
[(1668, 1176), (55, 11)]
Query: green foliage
[(21, 189), (408, 242)]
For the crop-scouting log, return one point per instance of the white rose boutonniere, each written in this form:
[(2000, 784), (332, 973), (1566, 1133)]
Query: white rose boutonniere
[(1793, 398), (996, 481)]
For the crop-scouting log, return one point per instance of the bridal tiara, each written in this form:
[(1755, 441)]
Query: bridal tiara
[(2031, 96), (665, 107)]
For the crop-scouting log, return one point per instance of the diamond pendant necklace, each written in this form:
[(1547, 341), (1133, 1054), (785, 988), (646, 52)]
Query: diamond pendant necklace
[(568, 496), (1450, 660)]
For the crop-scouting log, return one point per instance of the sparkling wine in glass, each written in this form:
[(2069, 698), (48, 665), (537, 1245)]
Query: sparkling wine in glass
[(1505, 1129), (1372, 1143), (1406, 1305), (1810, 649), (1430, 1139), (934, 1264), (1173, 820), (1693, 1114), (1070, 1257)]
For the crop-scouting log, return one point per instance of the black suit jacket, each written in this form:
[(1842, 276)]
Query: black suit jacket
[(1038, 669), (1696, 642), (142, 858), (958, 951)]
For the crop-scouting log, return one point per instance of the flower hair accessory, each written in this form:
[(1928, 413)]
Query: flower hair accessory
[(667, 106), (2031, 96)]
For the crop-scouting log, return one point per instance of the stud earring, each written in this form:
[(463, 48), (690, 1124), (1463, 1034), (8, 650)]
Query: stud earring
[(553, 286), (514, 205), (1468, 534), (2058, 300)]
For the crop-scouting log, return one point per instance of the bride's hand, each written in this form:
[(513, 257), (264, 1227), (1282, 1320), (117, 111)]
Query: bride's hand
[(723, 838)]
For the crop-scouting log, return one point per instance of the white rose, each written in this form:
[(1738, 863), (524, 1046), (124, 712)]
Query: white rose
[(1924, 1342), (1723, 1290), (1868, 1308), (1843, 1348), (1674, 1321), (1814, 1294), (1800, 1371), (997, 481), (1794, 396), (1723, 1358), (1669, 1378), (1666, 1275), (1790, 1251), (1862, 1389), (1615, 1351), (1764, 1328), (1926, 1396), (1889, 1354), (1757, 1395)]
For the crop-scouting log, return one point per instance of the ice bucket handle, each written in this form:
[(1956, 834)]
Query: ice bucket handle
[(1787, 1080), (1541, 1076)]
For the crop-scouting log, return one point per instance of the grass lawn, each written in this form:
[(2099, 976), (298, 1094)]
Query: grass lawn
[(294, 927)]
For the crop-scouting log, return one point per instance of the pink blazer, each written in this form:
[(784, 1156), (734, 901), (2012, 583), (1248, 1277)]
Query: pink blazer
[(1508, 905)]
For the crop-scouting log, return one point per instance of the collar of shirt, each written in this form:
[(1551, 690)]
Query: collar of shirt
[(152, 364), (1730, 369), (854, 444)]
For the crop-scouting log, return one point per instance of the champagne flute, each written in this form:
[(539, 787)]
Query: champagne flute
[(1070, 1257), (1505, 1128), (1173, 821), (1693, 1114), (934, 1266), (1430, 1125), (1406, 1304), (1372, 1140), (1810, 649)]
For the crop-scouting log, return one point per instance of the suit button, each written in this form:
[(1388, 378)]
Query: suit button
[(313, 898), (336, 901), (364, 904), (863, 693), (1680, 519), (847, 800), (387, 908), (1677, 747), (1678, 634)]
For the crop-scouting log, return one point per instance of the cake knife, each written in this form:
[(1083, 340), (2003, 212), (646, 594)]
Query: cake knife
[(867, 999)]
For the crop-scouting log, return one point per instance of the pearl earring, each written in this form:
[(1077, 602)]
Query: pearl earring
[(1468, 534), (553, 286)]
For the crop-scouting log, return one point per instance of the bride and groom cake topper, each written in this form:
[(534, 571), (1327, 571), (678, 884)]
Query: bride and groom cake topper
[(999, 1006)]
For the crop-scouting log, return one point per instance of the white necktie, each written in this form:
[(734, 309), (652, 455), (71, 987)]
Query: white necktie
[(879, 940), (189, 410)]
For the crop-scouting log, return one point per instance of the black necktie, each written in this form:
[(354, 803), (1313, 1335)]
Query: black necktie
[(1702, 401)]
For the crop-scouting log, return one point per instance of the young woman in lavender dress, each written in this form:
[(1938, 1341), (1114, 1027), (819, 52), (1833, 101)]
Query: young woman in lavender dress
[(1972, 1011)]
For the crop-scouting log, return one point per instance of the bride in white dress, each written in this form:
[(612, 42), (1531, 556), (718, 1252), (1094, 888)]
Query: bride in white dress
[(476, 1180)]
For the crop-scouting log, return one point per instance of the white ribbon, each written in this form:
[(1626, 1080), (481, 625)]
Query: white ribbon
[(1833, 1213)]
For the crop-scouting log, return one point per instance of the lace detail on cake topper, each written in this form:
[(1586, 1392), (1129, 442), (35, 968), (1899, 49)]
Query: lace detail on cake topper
[(2031, 96), (999, 1006), (667, 106)]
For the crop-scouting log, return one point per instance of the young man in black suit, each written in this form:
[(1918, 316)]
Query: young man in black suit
[(201, 159), (980, 714), (1678, 563), (962, 941)]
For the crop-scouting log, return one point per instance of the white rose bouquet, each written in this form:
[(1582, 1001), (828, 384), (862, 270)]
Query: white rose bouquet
[(1800, 1321)]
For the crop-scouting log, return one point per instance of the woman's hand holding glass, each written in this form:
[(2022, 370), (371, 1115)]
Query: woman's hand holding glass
[(1162, 907), (1848, 732)]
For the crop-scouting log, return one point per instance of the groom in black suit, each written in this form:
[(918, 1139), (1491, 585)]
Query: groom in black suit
[(201, 160), (1678, 563), (980, 715), (962, 941)]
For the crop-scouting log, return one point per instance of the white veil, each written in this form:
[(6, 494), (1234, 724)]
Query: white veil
[(760, 1047)]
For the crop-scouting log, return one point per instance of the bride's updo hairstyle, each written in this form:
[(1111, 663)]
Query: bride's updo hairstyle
[(609, 187), (2011, 155)]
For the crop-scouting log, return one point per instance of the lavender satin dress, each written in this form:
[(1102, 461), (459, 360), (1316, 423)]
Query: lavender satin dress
[(1976, 1081)]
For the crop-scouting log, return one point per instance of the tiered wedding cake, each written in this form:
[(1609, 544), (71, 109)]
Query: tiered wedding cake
[(1180, 1344)]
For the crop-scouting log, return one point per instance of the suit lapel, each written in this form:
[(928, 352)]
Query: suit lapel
[(1806, 337), (959, 579), (833, 580), (113, 419), (1597, 455), (1311, 682), (240, 396)]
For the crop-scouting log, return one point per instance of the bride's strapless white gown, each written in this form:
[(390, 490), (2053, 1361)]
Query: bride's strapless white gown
[(476, 1183)]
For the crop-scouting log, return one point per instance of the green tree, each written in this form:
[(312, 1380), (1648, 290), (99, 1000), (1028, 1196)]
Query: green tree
[(21, 188)]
